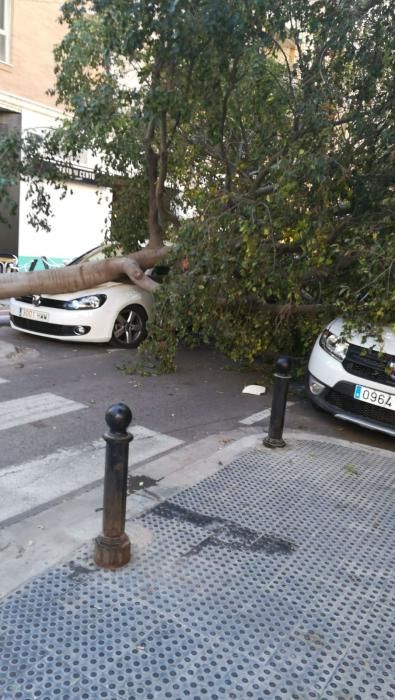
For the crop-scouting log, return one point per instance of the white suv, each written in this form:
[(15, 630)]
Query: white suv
[(354, 379)]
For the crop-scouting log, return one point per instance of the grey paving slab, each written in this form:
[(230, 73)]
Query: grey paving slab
[(273, 578)]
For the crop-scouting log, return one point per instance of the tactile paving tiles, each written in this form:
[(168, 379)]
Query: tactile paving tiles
[(272, 579)]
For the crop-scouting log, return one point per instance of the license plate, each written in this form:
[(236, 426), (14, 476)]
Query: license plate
[(376, 398), (34, 314)]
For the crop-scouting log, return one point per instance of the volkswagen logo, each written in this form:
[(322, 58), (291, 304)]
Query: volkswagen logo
[(390, 370), (36, 299)]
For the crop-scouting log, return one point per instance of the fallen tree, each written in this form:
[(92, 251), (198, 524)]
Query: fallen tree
[(77, 277), (275, 125)]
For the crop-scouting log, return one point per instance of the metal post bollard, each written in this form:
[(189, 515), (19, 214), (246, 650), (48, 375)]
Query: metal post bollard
[(279, 402), (112, 548)]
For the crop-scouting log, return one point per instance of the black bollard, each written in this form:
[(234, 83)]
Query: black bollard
[(112, 548), (279, 402)]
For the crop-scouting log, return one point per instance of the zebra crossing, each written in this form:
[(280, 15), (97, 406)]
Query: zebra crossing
[(261, 415), (26, 487), (33, 408), (40, 482), (50, 505)]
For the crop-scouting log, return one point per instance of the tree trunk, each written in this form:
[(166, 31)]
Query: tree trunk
[(74, 278)]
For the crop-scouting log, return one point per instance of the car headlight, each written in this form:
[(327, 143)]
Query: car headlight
[(92, 301), (334, 345)]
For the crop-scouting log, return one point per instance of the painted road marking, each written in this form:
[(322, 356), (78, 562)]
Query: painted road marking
[(42, 480), (4, 381), (261, 415), (33, 408)]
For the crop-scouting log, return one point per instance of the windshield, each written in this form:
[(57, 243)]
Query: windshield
[(90, 256)]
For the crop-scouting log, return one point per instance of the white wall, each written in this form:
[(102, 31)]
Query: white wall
[(79, 218), (78, 223)]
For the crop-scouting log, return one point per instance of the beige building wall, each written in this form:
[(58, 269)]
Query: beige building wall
[(34, 32), (79, 220)]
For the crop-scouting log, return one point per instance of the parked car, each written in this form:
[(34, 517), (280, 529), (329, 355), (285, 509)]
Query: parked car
[(354, 378), (115, 312)]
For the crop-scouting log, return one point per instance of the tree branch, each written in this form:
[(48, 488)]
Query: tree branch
[(162, 161), (231, 86), (154, 229)]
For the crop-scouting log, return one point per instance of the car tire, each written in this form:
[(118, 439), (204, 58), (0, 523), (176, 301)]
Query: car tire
[(130, 327)]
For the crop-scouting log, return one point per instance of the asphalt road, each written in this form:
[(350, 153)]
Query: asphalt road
[(203, 397)]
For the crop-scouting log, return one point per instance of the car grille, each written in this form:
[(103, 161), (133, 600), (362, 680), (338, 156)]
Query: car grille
[(368, 364), (45, 328), (346, 402), (44, 301)]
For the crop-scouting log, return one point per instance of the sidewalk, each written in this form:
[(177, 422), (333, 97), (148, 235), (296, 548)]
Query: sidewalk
[(256, 573)]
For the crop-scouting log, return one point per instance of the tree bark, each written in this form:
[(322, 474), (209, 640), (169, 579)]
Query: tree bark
[(74, 278)]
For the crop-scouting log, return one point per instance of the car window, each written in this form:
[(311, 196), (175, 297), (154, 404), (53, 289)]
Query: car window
[(90, 256), (94, 255)]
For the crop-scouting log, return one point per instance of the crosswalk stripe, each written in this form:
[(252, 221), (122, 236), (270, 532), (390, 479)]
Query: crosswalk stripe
[(255, 417), (33, 408), (261, 415), (4, 381), (29, 485)]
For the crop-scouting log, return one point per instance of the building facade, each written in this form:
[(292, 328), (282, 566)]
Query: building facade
[(28, 32)]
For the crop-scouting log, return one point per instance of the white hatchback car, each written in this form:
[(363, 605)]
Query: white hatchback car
[(354, 379), (115, 312)]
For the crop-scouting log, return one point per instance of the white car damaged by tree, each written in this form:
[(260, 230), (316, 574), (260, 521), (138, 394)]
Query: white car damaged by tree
[(115, 312)]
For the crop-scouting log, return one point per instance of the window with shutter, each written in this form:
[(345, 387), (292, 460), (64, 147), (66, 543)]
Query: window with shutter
[(5, 31)]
